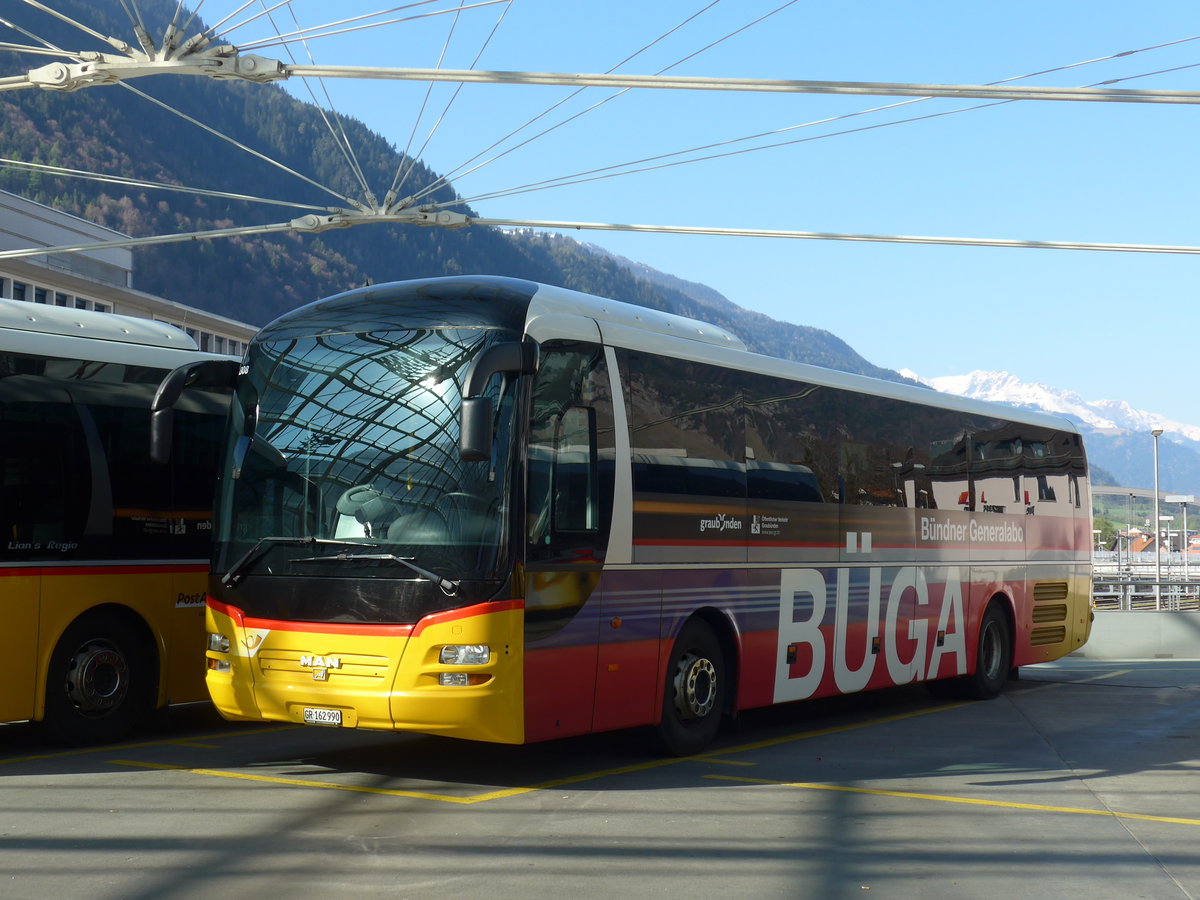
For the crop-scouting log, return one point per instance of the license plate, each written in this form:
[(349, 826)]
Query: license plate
[(314, 716)]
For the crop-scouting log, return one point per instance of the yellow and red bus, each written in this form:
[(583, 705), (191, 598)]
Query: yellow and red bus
[(103, 557), (492, 509)]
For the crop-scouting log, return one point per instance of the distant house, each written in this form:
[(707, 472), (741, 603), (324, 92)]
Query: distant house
[(99, 280), (1140, 542)]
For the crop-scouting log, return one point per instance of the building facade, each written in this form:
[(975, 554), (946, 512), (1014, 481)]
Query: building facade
[(99, 280)]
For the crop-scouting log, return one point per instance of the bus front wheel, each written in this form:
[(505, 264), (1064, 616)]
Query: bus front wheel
[(694, 694), (97, 687)]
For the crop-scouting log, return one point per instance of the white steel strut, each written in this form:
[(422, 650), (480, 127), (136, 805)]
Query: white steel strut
[(199, 56), (225, 61), (432, 216)]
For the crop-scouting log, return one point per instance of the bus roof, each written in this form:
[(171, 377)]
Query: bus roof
[(19, 315), (545, 311), (560, 301), (474, 300)]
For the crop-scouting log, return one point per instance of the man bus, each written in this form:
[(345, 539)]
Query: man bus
[(496, 510)]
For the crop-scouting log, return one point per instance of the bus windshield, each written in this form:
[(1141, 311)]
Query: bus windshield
[(343, 463)]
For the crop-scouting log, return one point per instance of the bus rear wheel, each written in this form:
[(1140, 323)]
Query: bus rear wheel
[(993, 657), (694, 694), (97, 687)]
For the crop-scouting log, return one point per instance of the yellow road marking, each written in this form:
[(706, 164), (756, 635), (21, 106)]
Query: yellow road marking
[(943, 798), (542, 786), (293, 782), (394, 792)]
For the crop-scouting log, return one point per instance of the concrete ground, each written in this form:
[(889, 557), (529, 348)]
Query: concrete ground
[(1081, 780)]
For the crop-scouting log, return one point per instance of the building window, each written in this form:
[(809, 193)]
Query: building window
[(101, 307), (39, 295), (5, 285), (18, 290)]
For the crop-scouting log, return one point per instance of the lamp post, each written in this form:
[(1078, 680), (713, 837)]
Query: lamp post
[(1157, 432)]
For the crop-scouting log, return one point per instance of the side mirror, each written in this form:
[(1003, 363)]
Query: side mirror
[(475, 437), (207, 373)]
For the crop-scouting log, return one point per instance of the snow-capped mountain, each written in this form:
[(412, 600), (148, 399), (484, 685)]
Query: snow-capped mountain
[(1117, 434), (1003, 387)]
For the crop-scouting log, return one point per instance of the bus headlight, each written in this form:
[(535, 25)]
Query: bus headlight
[(218, 643), (466, 655)]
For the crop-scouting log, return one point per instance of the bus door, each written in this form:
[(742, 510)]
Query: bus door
[(569, 486)]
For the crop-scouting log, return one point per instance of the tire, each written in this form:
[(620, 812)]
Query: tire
[(993, 657), (98, 684), (694, 694)]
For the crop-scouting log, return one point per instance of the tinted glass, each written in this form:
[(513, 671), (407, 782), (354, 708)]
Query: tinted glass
[(571, 455), (78, 482)]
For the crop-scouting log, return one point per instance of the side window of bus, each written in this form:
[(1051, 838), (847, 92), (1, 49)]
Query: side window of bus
[(791, 441), (876, 461), (688, 433), (1053, 463), (940, 463), (135, 518), (571, 454), (46, 479), (998, 450)]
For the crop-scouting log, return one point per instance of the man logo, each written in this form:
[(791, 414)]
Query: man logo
[(321, 662)]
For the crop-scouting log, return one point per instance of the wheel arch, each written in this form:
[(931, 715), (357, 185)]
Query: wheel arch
[(150, 645)]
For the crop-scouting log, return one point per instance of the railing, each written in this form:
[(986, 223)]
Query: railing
[(1128, 581)]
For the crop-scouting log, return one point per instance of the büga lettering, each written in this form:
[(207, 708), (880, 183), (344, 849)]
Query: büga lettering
[(805, 593)]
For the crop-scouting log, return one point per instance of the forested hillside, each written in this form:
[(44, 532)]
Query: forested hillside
[(121, 131)]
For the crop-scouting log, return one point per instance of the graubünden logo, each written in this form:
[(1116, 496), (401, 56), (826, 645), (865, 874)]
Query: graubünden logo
[(721, 522)]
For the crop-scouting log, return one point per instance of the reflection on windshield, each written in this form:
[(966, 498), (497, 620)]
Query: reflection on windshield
[(354, 437)]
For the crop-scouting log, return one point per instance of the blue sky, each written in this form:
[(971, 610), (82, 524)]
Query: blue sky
[(1106, 325)]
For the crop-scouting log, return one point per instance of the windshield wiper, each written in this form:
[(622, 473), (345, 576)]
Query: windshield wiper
[(446, 585), (264, 544)]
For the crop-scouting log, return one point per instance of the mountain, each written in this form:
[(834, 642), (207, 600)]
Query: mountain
[(1118, 436), (761, 333), (120, 132)]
